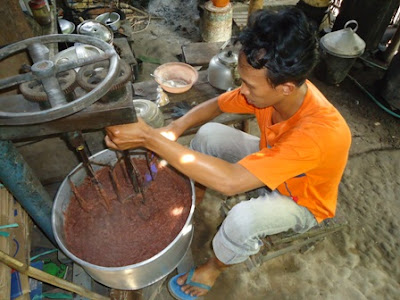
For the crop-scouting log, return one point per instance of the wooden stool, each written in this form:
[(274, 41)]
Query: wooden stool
[(285, 242)]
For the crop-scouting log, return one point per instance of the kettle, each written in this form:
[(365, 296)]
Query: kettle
[(222, 70)]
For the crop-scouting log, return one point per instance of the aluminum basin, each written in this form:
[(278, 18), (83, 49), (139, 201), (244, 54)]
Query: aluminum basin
[(131, 277)]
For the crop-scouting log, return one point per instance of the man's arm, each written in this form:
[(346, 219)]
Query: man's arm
[(215, 173), (197, 116)]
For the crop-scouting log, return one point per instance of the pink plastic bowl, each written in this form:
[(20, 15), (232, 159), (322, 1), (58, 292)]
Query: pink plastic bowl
[(176, 77)]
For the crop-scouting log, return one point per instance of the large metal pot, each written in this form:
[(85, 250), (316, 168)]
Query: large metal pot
[(131, 277)]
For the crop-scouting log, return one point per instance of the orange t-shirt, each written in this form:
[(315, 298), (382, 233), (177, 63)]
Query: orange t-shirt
[(303, 157)]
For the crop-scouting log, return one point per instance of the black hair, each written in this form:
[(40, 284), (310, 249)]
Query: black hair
[(283, 42)]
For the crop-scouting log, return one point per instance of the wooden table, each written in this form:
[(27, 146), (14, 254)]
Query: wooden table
[(200, 92)]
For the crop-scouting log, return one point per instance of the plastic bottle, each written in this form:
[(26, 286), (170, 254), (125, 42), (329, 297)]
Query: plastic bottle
[(40, 11)]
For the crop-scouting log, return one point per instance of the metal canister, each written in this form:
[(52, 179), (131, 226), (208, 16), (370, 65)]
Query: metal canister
[(40, 11), (339, 50)]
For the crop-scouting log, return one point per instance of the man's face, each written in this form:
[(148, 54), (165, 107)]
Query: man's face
[(255, 86)]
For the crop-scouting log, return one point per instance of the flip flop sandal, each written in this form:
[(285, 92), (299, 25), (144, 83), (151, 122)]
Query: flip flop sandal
[(175, 289)]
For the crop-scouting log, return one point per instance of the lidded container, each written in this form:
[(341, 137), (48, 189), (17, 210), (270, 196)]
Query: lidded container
[(149, 112), (339, 50), (96, 29), (222, 70)]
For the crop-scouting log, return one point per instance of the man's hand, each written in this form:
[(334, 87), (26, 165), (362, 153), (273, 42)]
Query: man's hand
[(127, 136)]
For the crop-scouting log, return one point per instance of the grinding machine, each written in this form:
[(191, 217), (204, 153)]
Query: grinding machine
[(66, 98)]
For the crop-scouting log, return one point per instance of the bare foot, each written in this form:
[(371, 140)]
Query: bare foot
[(205, 274)]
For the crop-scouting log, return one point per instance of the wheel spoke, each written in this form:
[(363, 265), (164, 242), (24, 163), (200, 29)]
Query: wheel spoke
[(44, 73), (82, 62), (15, 80), (38, 52), (54, 91)]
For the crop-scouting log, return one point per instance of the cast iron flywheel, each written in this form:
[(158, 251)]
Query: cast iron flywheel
[(19, 111)]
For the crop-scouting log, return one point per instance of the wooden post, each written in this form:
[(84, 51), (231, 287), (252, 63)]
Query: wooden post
[(5, 271), (255, 5), (12, 212), (15, 27)]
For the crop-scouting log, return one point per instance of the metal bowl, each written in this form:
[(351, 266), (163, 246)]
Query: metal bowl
[(110, 19), (66, 26), (176, 77), (96, 29), (80, 51), (131, 277)]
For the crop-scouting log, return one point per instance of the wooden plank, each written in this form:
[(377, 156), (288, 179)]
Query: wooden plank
[(12, 212), (200, 54), (255, 5), (21, 247), (5, 271), (96, 116)]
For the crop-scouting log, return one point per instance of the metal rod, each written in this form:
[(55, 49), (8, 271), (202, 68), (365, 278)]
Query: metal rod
[(114, 183), (129, 169), (148, 161), (81, 201), (133, 174), (77, 141), (86, 162)]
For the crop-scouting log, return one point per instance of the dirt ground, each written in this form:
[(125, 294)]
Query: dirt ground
[(360, 262)]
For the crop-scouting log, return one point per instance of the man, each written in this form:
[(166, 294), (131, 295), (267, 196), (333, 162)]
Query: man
[(296, 164)]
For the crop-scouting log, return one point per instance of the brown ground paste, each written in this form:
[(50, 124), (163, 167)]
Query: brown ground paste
[(126, 230)]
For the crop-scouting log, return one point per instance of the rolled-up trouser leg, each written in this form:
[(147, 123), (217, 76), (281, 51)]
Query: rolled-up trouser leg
[(247, 222)]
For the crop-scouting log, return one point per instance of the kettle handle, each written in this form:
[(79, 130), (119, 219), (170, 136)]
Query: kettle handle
[(351, 22)]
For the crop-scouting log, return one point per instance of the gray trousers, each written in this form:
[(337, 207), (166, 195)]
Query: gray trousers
[(248, 221)]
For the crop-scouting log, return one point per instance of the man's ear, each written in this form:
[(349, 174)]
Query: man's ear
[(287, 88)]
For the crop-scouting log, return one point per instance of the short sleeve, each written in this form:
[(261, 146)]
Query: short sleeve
[(293, 155)]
